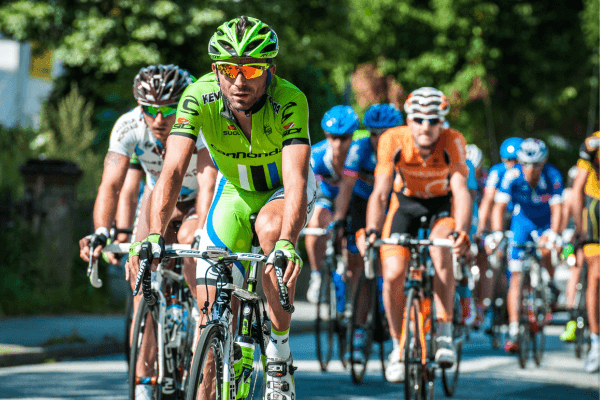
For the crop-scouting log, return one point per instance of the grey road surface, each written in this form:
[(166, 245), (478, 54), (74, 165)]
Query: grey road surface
[(485, 374)]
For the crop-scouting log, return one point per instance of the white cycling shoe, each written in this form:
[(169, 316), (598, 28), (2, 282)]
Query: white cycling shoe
[(591, 364), (143, 392), (314, 287), (394, 372), (445, 356), (280, 379)]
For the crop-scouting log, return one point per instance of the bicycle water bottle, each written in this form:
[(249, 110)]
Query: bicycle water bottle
[(174, 313), (244, 365), (340, 291)]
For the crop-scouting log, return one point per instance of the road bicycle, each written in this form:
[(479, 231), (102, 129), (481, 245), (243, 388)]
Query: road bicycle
[(163, 332), (420, 326), (331, 321), (368, 319), (214, 372), (534, 304), (498, 309), (582, 333)]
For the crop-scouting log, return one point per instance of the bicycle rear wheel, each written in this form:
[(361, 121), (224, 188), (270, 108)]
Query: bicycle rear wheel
[(414, 370), (143, 359), (128, 324), (538, 331), (206, 376), (364, 319), (450, 375), (325, 324)]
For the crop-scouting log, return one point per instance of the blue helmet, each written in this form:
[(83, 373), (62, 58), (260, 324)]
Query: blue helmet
[(340, 120), (382, 116), (509, 148), (533, 151)]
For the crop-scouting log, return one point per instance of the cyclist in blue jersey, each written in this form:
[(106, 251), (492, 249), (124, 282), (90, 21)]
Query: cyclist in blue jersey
[(327, 160), (356, 187), (508, 155), (536, 187)]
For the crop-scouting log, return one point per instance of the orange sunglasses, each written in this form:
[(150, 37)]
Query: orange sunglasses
[(250, 71)]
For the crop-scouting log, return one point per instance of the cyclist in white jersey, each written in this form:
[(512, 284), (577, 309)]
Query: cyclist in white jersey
[(142, 133)]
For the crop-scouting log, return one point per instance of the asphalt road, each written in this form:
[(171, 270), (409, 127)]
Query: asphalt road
[(485, 374)]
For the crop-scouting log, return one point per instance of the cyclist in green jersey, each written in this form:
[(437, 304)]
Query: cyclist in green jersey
[(255, 126)]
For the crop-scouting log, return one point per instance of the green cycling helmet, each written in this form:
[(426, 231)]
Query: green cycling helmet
[(257, 40)]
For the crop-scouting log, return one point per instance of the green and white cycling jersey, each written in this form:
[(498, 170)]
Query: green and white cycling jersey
[(255, 164), (132, 138), (249, 170)]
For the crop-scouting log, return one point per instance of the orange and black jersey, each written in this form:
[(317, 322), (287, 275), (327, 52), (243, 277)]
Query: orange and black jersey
[(415, 176)]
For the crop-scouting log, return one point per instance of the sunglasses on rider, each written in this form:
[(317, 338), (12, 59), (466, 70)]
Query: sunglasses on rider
[(432, 121), (250, 71), (166, 111), (343, 138), (536, 165)]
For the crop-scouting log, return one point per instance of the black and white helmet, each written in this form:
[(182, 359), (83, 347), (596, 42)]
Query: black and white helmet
[(422, 102), (160, 85), (532, 151)]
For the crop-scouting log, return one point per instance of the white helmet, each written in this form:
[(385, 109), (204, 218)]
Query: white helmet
[(421, 102), (533, 151), (475, 155)]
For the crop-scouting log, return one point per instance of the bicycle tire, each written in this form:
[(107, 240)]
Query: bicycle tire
[(414, 370), (450, 375), (524, 324), (538, 339), (367, 290), (209, 358), (145, 323), (128, 324), (326, 318)]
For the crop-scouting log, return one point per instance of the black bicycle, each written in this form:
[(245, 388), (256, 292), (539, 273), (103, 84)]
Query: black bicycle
[(330, 321), (582, 332), (368, 320), (499, 324), (420, 325), (534, 305)]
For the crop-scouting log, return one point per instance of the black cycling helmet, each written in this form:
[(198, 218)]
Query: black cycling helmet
[(160, 85)]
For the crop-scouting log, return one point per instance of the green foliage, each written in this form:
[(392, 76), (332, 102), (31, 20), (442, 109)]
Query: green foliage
[(66, 133)]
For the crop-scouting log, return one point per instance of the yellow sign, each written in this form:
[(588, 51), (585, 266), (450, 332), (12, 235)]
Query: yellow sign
[(41, 63)]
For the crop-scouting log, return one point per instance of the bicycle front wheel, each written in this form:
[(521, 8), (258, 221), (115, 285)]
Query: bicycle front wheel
[(450, 375), (363, 323), (206, 376), (538, 326), (143, 358), (414, 368), (524, 334), (325, 324)]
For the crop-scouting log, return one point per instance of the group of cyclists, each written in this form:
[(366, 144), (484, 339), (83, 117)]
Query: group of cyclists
[(235, 142)]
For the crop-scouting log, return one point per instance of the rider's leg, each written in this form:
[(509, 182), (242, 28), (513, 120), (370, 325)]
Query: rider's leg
[(315, 249), (394, 264)]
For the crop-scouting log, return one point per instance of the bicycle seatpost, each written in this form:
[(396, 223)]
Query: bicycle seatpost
[(279, 263)]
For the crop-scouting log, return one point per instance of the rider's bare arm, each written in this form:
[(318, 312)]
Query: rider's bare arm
[(207, 176), (498, 215), (555, 217), (168, 186), (460, 193), (485, 208), (578, 196), (295, 163), (342, 200), (378, 202), (115, 170), (128, 201)]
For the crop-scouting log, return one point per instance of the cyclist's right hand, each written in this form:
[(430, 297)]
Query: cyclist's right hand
[(97, 240), (157, 243)]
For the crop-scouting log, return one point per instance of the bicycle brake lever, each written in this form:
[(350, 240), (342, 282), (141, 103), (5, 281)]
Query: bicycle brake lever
[(279, 263)]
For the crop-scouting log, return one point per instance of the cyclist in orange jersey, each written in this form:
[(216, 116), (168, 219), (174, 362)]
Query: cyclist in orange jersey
[(429, 165)]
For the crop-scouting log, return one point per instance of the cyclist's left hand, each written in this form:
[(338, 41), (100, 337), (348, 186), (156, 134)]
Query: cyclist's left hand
[(157, 243), (462, 244), (550, 239), (294, 262)]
